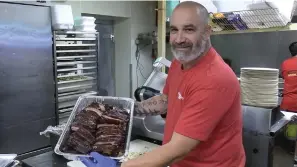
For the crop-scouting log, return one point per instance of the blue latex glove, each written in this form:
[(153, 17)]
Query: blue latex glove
[(98, 160)]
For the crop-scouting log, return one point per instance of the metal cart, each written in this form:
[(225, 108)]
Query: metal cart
[(75, 67)]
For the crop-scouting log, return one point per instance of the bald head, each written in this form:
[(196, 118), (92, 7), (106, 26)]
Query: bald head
[(199, 10), (189, 31)]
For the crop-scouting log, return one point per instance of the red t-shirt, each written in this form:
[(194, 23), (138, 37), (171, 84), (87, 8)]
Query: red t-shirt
[(289, 73), (204, 104)]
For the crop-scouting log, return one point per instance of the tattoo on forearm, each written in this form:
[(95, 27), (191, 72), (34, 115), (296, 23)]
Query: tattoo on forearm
[(154, 106)]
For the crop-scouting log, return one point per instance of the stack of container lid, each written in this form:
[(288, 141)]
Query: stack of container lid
[(85, 24), (259, 87), (62, 18)]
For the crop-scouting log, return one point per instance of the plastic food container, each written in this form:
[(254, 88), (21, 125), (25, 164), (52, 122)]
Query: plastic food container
[(85, 21), (88, 28), (83, 102), (62, 18)]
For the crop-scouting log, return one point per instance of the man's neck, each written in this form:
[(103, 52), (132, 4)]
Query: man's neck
[(192, 63)]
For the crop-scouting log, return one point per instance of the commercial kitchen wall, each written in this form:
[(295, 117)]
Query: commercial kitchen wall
[(261, 49), (265, 49), (133, 17)]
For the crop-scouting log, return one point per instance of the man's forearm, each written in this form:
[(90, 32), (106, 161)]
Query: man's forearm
[(163, 156), (153, 106)]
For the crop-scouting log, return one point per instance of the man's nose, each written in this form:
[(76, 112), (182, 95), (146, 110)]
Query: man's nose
[(179, 37)]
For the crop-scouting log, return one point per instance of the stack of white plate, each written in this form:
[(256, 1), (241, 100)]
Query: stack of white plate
[(259, 86)]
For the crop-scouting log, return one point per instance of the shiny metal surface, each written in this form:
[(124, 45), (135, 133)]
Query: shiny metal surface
[(27, 103), (258, 150), (278, 125), (257, 119), (83, 102), (75, 55), (150, 126), (260, 120), (263, 120), (157, 78)]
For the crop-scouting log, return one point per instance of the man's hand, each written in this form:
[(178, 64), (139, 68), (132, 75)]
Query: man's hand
[(98, 160), (163, 156), (153, 106)]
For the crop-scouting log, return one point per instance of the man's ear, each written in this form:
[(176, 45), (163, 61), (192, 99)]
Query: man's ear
[(207, 32)]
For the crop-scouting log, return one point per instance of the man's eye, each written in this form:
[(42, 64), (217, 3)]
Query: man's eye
[(189, 30), (173, 30)]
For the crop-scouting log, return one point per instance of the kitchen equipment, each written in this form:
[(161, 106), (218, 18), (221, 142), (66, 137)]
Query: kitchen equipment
[(155, 82), (144, 92), (76, 68), (151, 126), (83, 102), (26, 76), (7, 160)]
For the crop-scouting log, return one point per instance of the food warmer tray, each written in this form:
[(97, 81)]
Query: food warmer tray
[(83, 102)]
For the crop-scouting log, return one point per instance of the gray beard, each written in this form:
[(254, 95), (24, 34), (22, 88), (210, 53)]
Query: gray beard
[(194, 54)]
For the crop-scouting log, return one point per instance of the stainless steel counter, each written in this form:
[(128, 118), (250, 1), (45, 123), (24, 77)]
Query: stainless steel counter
[(50, 159), (151, 127)]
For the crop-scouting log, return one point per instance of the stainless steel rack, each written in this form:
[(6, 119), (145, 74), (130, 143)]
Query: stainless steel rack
[(76, 68)]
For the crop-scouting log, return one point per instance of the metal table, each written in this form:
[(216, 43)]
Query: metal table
[(50, 159), (47, 159)]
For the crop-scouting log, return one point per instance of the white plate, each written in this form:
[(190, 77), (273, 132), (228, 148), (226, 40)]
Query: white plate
[(259, 69)]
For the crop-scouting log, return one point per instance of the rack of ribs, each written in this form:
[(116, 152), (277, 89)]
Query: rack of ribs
[(99, 127)]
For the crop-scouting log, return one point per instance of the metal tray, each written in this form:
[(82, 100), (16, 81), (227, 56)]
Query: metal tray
[(83, 102)]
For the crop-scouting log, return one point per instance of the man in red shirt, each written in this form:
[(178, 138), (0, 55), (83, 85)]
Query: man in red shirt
[(289, 101), (289, 74), (202, 97)]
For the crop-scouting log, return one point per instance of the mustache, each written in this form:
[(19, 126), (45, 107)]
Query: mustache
[(182, 45)]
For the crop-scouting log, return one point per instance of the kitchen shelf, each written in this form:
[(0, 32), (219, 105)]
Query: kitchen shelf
[(74, 45), (75, 57), (76, 39), (76, 51), (69, 101), (75, 32), (75, 87), (75, 81), (75, 62), (65, 105), (74, 75), (247, 21), (63, 111), (69, 96), (76, 69)]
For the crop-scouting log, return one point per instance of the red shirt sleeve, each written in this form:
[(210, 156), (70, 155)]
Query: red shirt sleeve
[(203, 110)]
